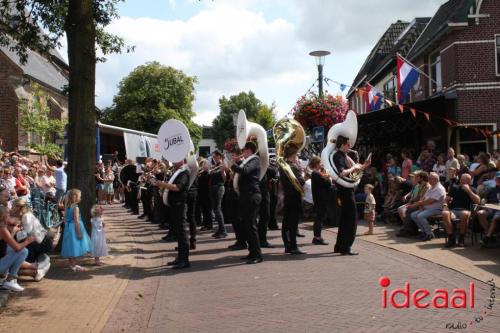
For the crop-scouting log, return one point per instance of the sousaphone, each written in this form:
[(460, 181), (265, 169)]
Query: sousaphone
[(176, 145)]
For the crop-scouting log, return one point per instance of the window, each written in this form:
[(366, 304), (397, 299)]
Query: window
[(436, 83), (497, 53), (390, 89)]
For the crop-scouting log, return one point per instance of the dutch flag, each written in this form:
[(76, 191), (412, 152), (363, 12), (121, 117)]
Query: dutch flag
[(407, 77), (373, 98)]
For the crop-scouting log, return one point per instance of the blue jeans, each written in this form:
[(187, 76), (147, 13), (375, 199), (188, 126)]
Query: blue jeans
[(420, 218), (12, 261)]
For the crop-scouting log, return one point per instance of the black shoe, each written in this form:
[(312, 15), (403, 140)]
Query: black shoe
[(300, 235), (220, 235), (254, 260), (319, 241), (403, 234), (237, 247), (205, 228), (297, 251), (350, 253), (141, 216), (173, 262), (461, 241), (248, 257), (169, 239), (288, 250), (266, 245), (182, 265), (135, 213), (450, 242), (192, 244)]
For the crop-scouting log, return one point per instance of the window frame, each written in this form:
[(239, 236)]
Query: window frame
[(434, 87)]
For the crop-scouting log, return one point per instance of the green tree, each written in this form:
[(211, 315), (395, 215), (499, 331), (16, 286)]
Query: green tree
[(83, 23), (35, 119), (223, 126), (150, 95), (266, 117)]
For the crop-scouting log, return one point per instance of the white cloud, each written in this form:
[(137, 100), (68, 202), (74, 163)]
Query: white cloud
[(234, 46)]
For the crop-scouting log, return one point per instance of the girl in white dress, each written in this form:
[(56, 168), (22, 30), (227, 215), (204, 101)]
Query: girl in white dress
[(98, 237)]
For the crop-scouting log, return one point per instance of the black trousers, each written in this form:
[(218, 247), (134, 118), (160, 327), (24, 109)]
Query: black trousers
[(157, 203), (249, 204), (409, 226), (291, 215), (206, 210), (320, 219), (146, 202), (235, 213), (133, 203), (191, 214), (35, 249), (216, 196), (348, 220), (178, 217), (264, 217), (273, 202)]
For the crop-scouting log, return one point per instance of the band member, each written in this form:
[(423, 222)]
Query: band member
[(292, 201), (203, 199), (233, 198), (217, 179), (250, 198), (178, 187), (347, 225), (273, 178), (264, 212), (321, 184), (191, 213)]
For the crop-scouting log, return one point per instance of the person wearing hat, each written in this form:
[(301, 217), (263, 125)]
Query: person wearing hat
[(249, 200), (292, 201), (492, 196)]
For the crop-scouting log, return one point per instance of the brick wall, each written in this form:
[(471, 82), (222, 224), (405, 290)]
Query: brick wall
[(8, 103)]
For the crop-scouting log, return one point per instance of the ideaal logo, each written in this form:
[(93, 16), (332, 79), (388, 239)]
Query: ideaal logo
[(173, 140), (422, 298)]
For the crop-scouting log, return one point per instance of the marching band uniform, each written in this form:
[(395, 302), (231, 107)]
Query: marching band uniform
[(177, 201), (216, 195), (292, 209), (249, 201), (236, 221), (191, 213), (321, 187), (273, 178), (264, 213), (347, 224), (204, 200)]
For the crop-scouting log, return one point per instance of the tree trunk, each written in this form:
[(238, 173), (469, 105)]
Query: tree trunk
[(80, 32)]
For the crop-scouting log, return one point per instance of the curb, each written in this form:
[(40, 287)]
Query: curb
[(4, 297)]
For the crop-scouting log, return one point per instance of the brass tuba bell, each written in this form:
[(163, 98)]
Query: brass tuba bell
[(288, 131)]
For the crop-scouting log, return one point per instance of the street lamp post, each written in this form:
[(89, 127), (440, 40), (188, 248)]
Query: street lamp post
[(320, 61)]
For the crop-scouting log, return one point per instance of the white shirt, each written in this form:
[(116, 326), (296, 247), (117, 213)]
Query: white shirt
[(48, 183), (308, 195), (61, 178), (436, 192), (370, 203)]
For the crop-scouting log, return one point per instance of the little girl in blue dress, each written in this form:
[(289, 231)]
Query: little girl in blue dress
[(76, 241)]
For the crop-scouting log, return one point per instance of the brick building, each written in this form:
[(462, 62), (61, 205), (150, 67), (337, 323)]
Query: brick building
[(459, 49), (49, 71)]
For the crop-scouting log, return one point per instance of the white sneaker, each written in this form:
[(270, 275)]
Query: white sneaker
[(12, 285), (41, 271), (44, 261)]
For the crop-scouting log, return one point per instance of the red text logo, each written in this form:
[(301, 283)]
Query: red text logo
[(423, 298)]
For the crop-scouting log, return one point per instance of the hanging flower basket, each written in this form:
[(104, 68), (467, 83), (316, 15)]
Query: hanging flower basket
[(311, 111)]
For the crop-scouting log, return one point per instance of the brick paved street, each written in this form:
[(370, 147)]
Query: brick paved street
[(318, 292)]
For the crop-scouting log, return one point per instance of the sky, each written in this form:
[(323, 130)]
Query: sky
[(258, 45)]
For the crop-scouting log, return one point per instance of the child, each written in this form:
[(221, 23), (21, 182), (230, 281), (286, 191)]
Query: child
[(76, 241), (98, 237), (109, 192), (369, 208)]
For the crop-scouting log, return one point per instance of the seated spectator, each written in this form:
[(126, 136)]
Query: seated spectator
[(409, 197), (8, 181), (31, 226), (393, 199), (22, 185), (492, 197), (14, 256), (463, 168), (484, 171), (440, 168), (452, 178), (409, 227), (427, 161), (431, 204), (460, 199), (4, 197), (49, 184)]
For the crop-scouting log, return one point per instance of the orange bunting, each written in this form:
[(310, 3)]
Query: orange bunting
[(426, 115), (448, 121), (413, 112), (401, 108)]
